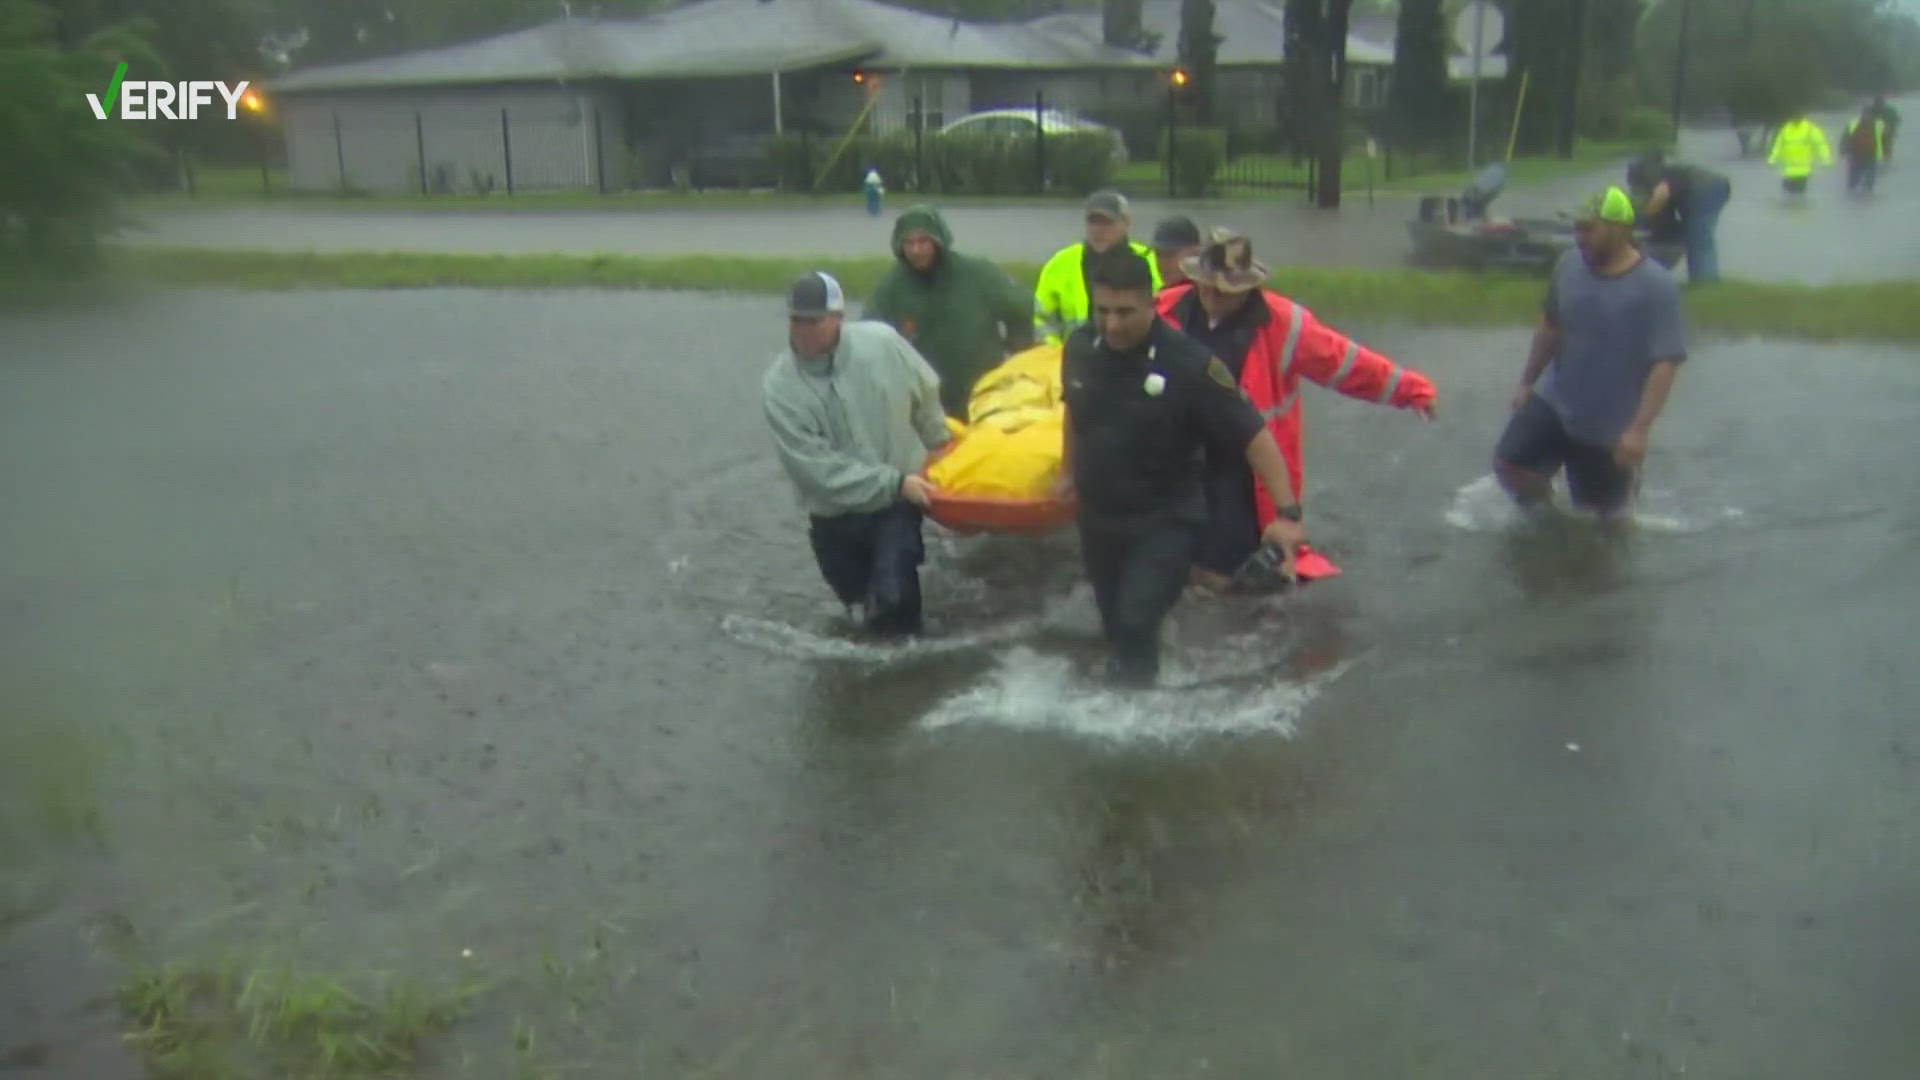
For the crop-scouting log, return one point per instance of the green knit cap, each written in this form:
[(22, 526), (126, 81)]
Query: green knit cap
[(1611, 205)]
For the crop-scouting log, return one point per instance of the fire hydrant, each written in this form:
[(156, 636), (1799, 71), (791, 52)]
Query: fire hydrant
[(874, 189)]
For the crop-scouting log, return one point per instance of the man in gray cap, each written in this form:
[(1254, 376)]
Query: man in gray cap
[(1175, 240), (1060, 302), (854, 410)]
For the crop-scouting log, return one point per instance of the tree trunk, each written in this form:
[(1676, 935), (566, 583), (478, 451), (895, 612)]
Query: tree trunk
[(1570, 92), (1303, 80), (1198, 47), (1333, 129)]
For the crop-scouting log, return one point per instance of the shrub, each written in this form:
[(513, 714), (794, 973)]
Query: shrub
[(961, 164), (1648, 126), (1196, 154), (1080, 162)]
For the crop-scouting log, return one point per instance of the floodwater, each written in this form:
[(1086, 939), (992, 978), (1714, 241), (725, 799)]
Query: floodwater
[(461, 634)]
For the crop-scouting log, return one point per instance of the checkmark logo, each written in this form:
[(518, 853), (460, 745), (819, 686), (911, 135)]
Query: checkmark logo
[(101, 110)]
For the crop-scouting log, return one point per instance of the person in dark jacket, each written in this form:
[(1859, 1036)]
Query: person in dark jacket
[(1682, 203), (1175, 240), (962, 313), (1144, 404)]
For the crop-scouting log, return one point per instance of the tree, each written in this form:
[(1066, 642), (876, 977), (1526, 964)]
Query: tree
[(1420, 87), (1316, 78), (64, 166), (1199, 46)]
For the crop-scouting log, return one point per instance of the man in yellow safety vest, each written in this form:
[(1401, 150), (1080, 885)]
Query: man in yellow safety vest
[(1060, 302), (1865, 146), (1797, 149)]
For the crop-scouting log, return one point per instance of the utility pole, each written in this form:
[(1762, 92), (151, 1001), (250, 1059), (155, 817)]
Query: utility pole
[(1680, 59), (1576, 56)]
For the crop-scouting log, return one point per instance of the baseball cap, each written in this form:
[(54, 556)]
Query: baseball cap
[(1610, 205), (816, 294), (1176, 233), (1107, 204)]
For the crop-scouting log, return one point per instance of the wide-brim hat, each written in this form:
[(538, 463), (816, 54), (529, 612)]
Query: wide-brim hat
[(1226, 263)]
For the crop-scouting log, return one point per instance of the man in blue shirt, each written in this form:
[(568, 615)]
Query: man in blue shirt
[(1603, 361)]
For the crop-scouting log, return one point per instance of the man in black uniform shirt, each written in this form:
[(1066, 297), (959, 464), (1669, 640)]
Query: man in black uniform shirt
[(1144, 402)]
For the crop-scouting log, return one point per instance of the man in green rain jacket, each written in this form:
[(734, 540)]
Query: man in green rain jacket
[(960, 312)]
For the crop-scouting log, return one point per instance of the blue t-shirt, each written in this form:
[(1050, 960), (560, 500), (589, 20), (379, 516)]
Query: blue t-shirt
[(1612, 331)]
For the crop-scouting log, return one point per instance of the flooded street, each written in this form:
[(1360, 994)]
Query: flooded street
[(473, 636)]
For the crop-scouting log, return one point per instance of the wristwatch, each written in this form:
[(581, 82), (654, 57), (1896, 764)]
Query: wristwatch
[(1292, 513)]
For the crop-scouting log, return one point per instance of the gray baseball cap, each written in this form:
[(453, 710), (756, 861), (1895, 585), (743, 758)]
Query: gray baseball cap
[(1107, 204), (816, 294)]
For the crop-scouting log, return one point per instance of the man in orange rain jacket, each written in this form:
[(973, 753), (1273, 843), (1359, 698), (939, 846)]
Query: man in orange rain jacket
[(1269, 343)]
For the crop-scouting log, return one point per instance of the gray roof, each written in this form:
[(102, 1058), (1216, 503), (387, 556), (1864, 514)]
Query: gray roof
[(752, 37), (718, 37)]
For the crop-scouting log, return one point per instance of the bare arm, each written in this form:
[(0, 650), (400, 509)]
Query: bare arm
[(1653, 396), (1546, 343), (1656, 202), (1263, 454)]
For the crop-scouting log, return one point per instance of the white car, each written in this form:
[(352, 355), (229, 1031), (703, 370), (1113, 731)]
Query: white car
[(1020, 122)]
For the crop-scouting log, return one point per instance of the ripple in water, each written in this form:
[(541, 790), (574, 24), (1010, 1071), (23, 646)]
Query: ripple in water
[(1482, 506), (1032, 691)]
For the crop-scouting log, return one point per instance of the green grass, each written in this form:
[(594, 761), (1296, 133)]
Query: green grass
[(227, 185), (213, 1023), (1881, 311)]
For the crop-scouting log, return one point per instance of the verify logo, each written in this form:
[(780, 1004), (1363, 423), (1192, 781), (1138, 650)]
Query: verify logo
[(142, 100)]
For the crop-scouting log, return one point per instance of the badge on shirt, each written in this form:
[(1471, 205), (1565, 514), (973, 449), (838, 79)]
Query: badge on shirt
[(907, 328), (1219, 373)]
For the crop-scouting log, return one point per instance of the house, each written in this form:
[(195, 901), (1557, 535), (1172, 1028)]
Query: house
[(612, 103)]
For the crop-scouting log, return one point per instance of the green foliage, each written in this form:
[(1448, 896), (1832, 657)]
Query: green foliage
[(957, 164), (1650, 128), (1196, 154), (64, 168)]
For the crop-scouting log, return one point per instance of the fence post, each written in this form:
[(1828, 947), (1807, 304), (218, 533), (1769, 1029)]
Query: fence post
[(1040, 142), (420, 149), (186, 166), (919, 156), (599, 156), (506, 150), (266, 154), (339, 152)]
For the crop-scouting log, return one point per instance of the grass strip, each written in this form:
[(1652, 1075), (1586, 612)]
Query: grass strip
[(227, 1021), (1874, 311)]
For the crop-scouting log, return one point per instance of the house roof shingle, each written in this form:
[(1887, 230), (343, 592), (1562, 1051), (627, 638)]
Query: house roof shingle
[(752, 37)]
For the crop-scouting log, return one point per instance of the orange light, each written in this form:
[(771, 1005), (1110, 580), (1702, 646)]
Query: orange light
[(859, 76), (1179, 76), (252, 101)]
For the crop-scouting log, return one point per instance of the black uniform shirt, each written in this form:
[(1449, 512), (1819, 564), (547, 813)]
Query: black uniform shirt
[(1142, 421)]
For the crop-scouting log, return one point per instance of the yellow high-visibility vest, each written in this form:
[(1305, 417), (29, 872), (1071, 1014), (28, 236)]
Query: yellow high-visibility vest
[(1799, 146), (1060, 302)]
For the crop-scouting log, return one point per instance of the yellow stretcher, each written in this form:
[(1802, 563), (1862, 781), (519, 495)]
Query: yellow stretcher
[(998, 473)]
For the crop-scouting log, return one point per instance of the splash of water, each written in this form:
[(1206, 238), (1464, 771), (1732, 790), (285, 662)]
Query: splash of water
[(799, 643), (1482, 506), (1036, 692)]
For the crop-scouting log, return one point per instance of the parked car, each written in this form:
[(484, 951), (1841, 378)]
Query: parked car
[(1019, 122)]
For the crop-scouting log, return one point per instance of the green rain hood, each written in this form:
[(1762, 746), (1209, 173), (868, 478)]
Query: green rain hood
[(964, 316)]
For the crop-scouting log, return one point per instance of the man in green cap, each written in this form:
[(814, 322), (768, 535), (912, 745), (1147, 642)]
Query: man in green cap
[(1610, 340), (962, 313)]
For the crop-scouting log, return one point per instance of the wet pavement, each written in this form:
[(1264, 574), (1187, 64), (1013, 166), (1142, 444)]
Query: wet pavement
[(1829, 237), (456, 634)]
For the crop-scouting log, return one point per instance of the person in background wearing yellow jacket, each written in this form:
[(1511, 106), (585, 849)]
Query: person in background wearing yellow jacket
[(1060, 303), (1797, 149)]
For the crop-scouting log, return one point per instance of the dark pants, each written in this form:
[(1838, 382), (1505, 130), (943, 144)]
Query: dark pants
[(1138, 568), (874, 559), (1861, 173), (1703, 218), (1795, 185)]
